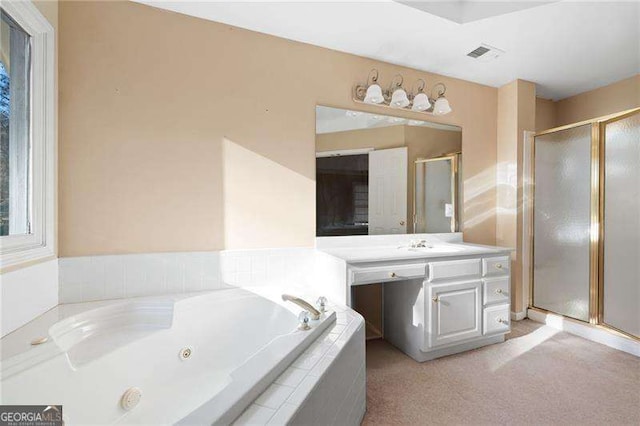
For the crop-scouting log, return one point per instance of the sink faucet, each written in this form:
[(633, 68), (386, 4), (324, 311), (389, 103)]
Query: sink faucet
[(315, 314), (418, 243)]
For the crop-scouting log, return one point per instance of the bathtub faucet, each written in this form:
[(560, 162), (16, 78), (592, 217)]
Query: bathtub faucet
[(315, 314)]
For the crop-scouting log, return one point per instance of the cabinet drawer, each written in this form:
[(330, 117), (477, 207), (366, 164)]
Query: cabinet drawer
[(496, 290), (379, 274), (495, 266), (496, 319), (468, 268)]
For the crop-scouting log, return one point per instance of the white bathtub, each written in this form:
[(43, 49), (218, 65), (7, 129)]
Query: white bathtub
[(239, 341)]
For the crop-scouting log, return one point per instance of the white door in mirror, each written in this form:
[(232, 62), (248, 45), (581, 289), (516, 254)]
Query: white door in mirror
[(388, 191)]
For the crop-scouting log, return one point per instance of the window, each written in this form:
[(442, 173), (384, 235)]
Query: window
[(15, 138), (27, 168)]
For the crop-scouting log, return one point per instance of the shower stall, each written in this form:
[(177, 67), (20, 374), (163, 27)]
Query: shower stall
[(436, 194), (585, 212)]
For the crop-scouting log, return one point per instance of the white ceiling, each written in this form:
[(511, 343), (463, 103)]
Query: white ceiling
[(469, 11), (565, 47), (330, 120)]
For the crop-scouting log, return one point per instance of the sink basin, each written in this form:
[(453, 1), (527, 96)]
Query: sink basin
[(435, 249)]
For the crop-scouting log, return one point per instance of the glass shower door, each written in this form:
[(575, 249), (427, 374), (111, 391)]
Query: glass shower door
[(620, 290), (562, 222), (435, 192)]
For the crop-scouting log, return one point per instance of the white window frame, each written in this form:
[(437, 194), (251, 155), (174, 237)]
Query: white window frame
[(40, 242)]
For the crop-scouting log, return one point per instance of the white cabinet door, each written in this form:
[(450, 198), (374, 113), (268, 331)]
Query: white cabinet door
[(455, 312), (388, 191)]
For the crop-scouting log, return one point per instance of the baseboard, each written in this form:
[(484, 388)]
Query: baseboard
[(518, 316), (587, 331)]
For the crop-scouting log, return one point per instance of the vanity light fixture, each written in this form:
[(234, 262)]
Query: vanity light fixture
[(397, 97)]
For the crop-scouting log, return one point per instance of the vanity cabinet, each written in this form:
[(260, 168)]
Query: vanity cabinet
[(455, 312), (442, 306), (439, 297)]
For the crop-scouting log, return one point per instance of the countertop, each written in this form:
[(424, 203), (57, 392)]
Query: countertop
[(400, 253)]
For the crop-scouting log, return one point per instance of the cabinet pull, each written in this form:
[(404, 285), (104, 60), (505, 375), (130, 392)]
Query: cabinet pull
[(501, 321), (392, 275)]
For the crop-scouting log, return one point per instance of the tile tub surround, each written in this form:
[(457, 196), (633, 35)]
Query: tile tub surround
[(92, 278), (26, 294), (325, 385)]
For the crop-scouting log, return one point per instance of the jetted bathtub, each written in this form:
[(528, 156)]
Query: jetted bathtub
[(191, 360)]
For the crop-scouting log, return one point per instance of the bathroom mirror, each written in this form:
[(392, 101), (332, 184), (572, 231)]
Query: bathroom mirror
[(378, 174)]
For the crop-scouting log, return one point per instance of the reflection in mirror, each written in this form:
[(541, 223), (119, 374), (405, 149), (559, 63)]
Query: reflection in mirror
[(436, 194), (377, 174)]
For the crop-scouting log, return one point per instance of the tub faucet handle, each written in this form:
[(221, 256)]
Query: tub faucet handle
[(303, 319), (321, 304), (313, 312)]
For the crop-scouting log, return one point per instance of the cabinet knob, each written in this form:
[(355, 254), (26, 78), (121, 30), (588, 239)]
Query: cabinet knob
[(392, 275), (402, 223), (499, 291), (499, 265), (435, 299)]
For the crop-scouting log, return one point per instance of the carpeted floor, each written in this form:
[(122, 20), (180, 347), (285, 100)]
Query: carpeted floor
[(538, 376)]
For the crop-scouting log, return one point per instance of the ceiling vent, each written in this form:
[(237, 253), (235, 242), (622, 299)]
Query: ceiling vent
[(485, 52)]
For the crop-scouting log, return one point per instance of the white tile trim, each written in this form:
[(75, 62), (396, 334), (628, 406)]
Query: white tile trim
[(26, 294), (586, 331), (307, 380)]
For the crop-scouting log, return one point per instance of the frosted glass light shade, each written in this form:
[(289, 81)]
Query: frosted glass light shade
[(399, 99), (441, 106), (421, 102), (374, 95)]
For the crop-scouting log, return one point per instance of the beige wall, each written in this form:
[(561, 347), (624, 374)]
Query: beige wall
[(616, 97), (516, 114), (421, 142), (545, 114), (148, 99)]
